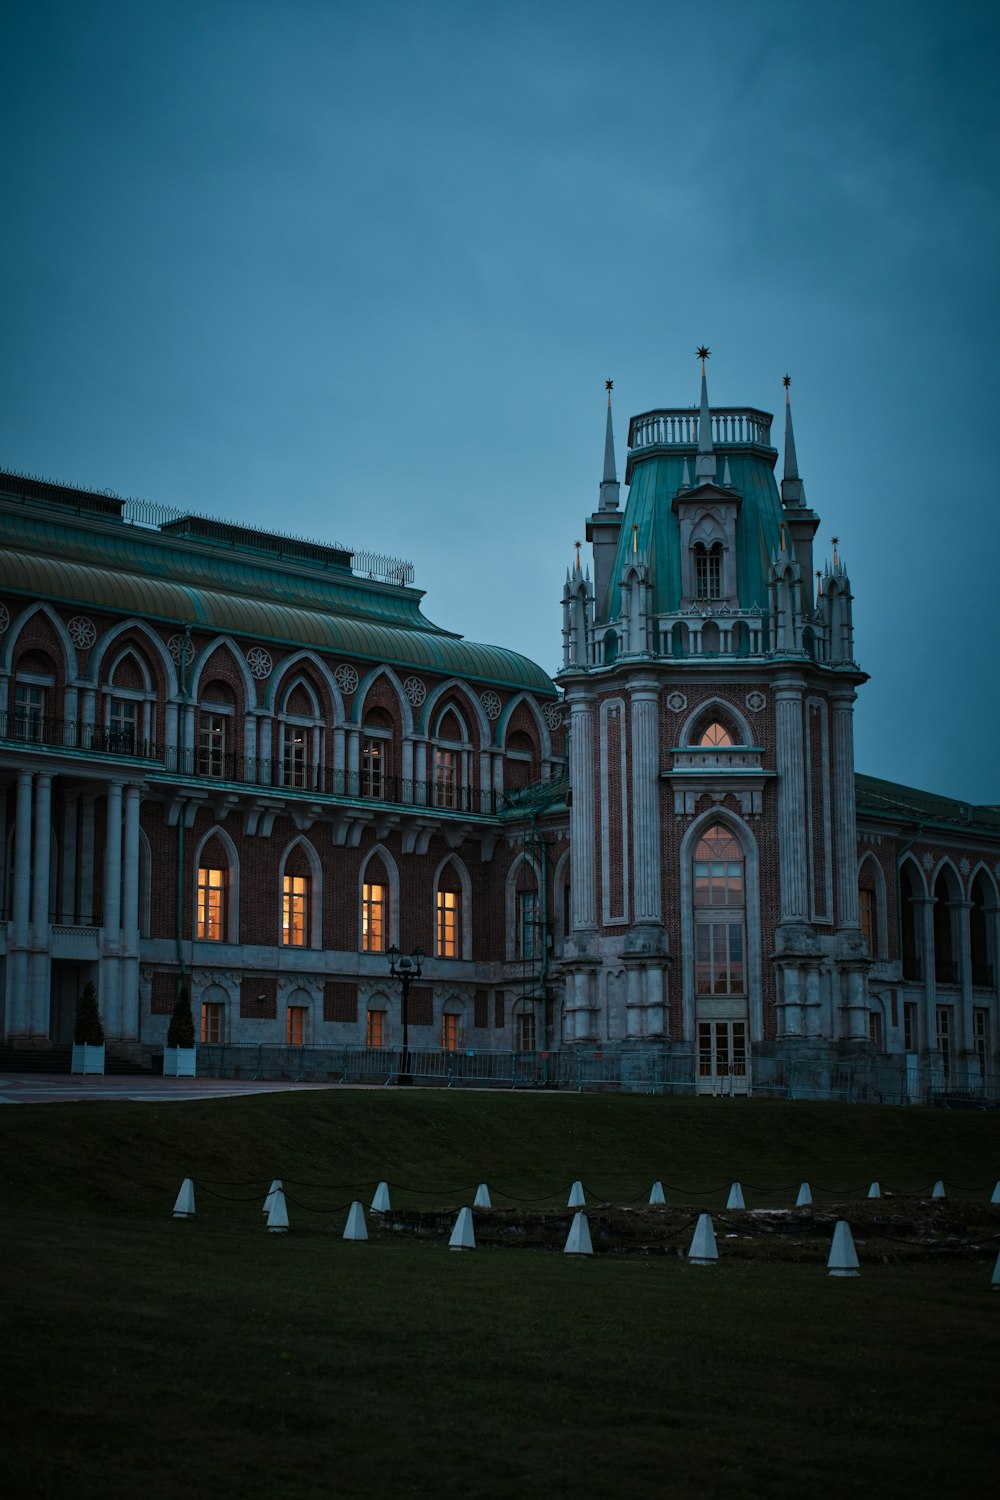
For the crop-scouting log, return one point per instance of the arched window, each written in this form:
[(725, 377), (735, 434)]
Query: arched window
[(34, 682), (301, 897), (300, 731), (216, 890), (719, 914), (715, 735), (374, 908), (448, 914), (216, 726), (519, 760), (983, 971), (451, 759), (708, 570), (946, 895), (911, 923), (376, 750)]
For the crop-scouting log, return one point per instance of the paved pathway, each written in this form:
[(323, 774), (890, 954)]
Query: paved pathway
[(57, 1088)]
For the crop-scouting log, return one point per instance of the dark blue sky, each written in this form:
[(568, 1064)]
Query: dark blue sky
[(360, 273)]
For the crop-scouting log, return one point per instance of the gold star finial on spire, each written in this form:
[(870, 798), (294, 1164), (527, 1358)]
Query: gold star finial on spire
[(578, 545), (786, 381), (608, 384), (835, 540), (703, 353)]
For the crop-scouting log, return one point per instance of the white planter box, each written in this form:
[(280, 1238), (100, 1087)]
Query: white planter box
[(179, 1062), (87, 1059)]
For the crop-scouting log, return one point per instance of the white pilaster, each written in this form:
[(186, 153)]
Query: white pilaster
[(41, 964), (844, 812), (85, 905), (791, 800), (67, 883), (129, 992), (111, 946), (582, 839), (646, 895), (17, 959)]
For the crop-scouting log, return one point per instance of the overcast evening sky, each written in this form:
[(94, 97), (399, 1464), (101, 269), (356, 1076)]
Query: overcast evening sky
[(359, 273)]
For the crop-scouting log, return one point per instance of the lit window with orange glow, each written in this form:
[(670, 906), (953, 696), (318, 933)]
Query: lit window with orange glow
[(294, 910)]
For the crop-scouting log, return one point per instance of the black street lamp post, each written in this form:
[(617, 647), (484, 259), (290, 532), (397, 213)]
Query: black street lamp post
[(405, 969)]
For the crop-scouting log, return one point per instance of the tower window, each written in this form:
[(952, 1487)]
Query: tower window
[(708, 571), (719, 912)]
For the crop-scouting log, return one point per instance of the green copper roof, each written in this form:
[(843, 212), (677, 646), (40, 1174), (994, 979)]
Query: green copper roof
[(125, 570), (655, 480), (889, 799)]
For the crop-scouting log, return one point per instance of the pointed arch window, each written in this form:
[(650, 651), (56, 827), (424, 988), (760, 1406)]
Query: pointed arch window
[(300, 736), (719, 888), (715, 736), (708, 570)]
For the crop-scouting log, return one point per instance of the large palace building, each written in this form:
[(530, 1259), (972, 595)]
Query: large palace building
[(249, 765)]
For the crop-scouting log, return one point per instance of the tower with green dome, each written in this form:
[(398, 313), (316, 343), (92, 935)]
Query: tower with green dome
[(710, 678)]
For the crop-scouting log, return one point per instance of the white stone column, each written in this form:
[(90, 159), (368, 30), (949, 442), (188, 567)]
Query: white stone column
[(581, 822), (129, 979), (111, 946), (584, 1019), (964, 1041), (655, 1003), (844, 811), (926, 905), (85, 903), (20, 932), (420, 787), (646, 895), (790, 1009), (41, 962), (633, 1003), (67, 860), (353, 788), (70, 710), (791, 800)]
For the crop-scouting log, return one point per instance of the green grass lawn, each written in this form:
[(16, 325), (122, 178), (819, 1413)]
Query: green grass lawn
[(156, 1357)]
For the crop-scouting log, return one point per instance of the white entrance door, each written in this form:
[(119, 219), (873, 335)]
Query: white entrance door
[(723, 1064)]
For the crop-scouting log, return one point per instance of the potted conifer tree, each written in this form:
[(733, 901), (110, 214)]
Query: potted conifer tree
[(179, 1053), (88, 1037)]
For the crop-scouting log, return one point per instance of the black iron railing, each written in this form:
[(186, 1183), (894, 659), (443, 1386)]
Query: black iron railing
[(289, 773)]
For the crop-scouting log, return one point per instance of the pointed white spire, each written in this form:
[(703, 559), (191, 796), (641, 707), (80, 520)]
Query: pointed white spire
[(356, 1228), (792, 491), (184, 1204), (463, 1236), (704, 1251), (578, 1240), (609, 482), (277, 1214), (843, 1258), (705, 467)]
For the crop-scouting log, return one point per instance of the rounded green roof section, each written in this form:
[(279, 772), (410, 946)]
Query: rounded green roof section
[(655, 480), (262, 613)]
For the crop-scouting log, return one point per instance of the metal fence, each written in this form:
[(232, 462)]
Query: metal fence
[(652, 1070)]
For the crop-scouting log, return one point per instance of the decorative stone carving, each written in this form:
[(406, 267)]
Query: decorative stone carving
[(553, 715), (755, 701), (82, 632), (347, 678), (676, 702), (928, 860), (4, 618), (491, 703), (964, 866), (181, 648), (415, 691), (259, 662)]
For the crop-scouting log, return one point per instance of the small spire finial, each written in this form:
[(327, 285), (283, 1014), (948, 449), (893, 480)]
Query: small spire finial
[(836, 542), (578, 545), (705, 466), (792, 490), (703, 352), (609, 386), (786, 381), (782, 536), (635, 537)]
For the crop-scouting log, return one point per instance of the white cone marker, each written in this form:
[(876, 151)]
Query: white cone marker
[(735, 1199), (937, 1191), (356, 1228), (996, 1194), (270, 1194), (996, 1274), (380, 1202), (704, 1251), (277, 1214), (576, 1198), (482, 1198), (578, 1239), (656, 1192), (805, 1196), (463, 1236), (874, 1191), (843, 1258), (184, 1206)]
